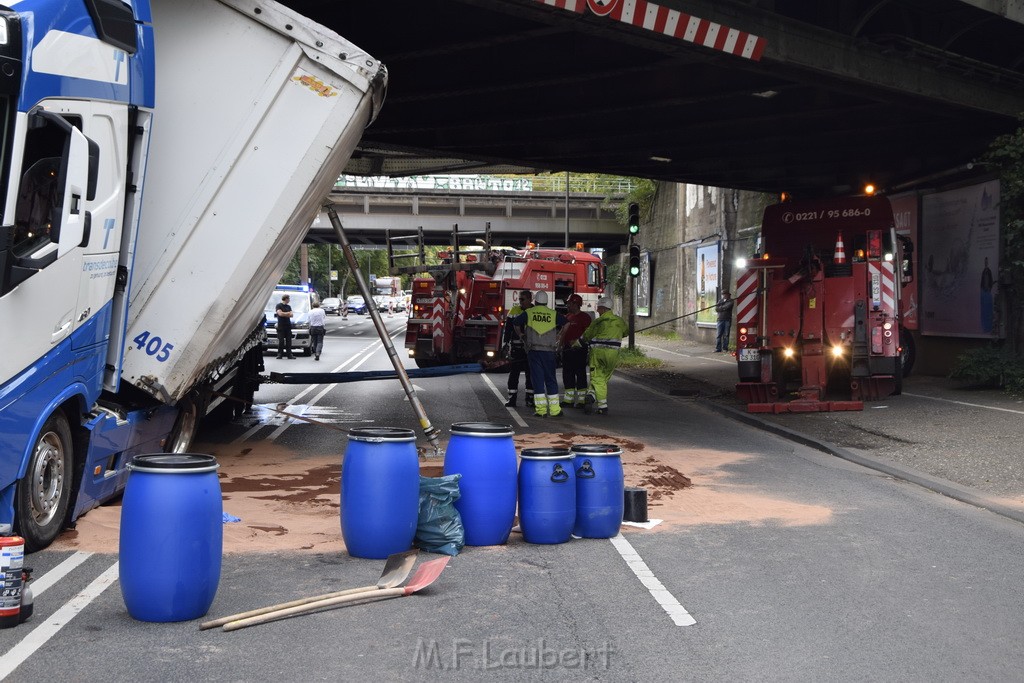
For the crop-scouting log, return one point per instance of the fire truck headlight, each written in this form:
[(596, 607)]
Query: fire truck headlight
[(741, 263), (412, 352), (743, 337), (462, 290), (837, 351), (743, 330), (490, 354), (787, 352), (888, 257), (887, 334), (886, 326)]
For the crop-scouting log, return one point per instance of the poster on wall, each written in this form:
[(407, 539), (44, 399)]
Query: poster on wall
[(959, 261), (643, 286), (707, 285)]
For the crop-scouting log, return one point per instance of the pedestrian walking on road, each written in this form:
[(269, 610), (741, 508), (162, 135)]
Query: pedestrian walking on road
[(574, 353), (317, 329), (724, 309), (604, 336), (515, 352), (283, 313), (541, 324)]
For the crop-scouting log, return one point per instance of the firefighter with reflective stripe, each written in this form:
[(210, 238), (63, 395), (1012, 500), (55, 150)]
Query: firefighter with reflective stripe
[(541, 324), (574, 353), (516, 352), (605, 338)]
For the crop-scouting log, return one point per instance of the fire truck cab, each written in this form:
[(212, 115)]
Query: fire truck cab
[(817, 312)]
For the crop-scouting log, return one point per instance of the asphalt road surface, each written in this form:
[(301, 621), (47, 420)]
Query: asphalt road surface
[(774, 561)]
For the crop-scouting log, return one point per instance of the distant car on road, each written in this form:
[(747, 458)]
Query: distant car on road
[(331, 306), (356, 304)]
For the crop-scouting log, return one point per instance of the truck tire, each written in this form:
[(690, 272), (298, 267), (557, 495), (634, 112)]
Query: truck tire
[(185, 426), (909, 354), (44, 493)]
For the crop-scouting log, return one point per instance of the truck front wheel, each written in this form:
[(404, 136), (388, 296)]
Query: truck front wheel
[(44, 493)]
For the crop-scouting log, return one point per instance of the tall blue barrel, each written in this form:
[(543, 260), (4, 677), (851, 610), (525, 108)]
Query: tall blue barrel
[(485, 455), (600, 490), (547, 495), (172, 536), (380, 491)]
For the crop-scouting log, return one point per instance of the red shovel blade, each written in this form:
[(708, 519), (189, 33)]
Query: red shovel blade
[(425, 575)]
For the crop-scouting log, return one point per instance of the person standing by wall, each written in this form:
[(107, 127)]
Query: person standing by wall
[(604, 337), (516, 353), (317, 329), (541, 324), (283, 313), (724, 309), (574, 353)]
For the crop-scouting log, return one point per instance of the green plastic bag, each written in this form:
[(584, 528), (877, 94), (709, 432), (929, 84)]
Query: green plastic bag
[(440, 529)]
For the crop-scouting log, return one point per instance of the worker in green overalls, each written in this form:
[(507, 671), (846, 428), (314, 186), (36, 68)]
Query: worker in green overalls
[(605, 339)]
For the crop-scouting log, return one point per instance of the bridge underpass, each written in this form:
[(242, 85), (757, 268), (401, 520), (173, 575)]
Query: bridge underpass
[(515, 217), (766, 95)]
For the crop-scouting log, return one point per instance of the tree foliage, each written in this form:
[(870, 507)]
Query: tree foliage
[(1006, 157)]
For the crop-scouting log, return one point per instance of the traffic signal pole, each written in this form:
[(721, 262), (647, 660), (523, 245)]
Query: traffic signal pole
[(633, 225), (632, 303)]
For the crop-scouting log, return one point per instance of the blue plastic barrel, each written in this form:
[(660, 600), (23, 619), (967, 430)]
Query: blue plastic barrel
[(547, 495), (172, 536), (600, 490), (380, 491), (485, 455)]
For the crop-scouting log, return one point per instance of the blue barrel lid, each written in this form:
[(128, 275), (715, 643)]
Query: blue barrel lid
[(482, 428), (547, 454), (174, 463), (380, 434), (597, 449)]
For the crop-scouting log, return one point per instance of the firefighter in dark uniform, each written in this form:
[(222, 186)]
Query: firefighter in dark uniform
[(516, 352)]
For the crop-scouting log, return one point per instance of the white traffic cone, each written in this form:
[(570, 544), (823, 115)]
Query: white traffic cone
[(840, 254)]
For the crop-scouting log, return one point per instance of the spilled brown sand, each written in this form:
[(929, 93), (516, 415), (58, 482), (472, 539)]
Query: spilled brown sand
[(290, 501)]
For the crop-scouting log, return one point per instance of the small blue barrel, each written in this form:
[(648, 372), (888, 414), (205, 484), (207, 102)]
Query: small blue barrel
[(600, 490), (172, 536), (547, 495), (485, 455), (380, 491)]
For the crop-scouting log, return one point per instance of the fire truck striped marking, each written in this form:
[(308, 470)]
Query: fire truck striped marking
[(887, 278), (658, 19), (746, 298)]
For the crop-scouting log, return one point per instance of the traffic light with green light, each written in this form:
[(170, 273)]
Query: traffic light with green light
[(634, 218), (634, 261)]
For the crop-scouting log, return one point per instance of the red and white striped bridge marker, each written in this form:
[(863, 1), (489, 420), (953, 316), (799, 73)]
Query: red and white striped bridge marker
[(671, 23)]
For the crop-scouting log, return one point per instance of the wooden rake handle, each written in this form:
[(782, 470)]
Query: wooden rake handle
[(368, 596), (284, 605)]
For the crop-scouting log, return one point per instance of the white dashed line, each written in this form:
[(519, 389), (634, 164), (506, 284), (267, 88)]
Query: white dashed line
[(676, 612)]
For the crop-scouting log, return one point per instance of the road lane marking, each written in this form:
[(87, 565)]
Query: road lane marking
[(730, 360), (51, 577), (38, 636), (676, 612), (512, 411), (965, 403)]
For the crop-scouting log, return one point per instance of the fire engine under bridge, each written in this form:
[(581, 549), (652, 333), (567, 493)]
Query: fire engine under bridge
[(517, 210), (766, 95)]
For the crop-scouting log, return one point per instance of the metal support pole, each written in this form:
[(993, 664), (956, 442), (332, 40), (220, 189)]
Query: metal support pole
[(632, 297), (429, 431), (329, 249), (566, 209)]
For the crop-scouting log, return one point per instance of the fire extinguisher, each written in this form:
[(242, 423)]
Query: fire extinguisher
[(12, 557)]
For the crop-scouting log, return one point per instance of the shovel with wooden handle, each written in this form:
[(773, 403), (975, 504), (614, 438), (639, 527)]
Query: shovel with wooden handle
[(396, 570), (425, 575)]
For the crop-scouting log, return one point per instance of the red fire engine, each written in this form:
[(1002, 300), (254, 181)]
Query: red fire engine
[(818, 312), (458, 312)]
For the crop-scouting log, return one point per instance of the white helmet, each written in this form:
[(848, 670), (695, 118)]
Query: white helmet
[(604, 302), (541, 298)]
